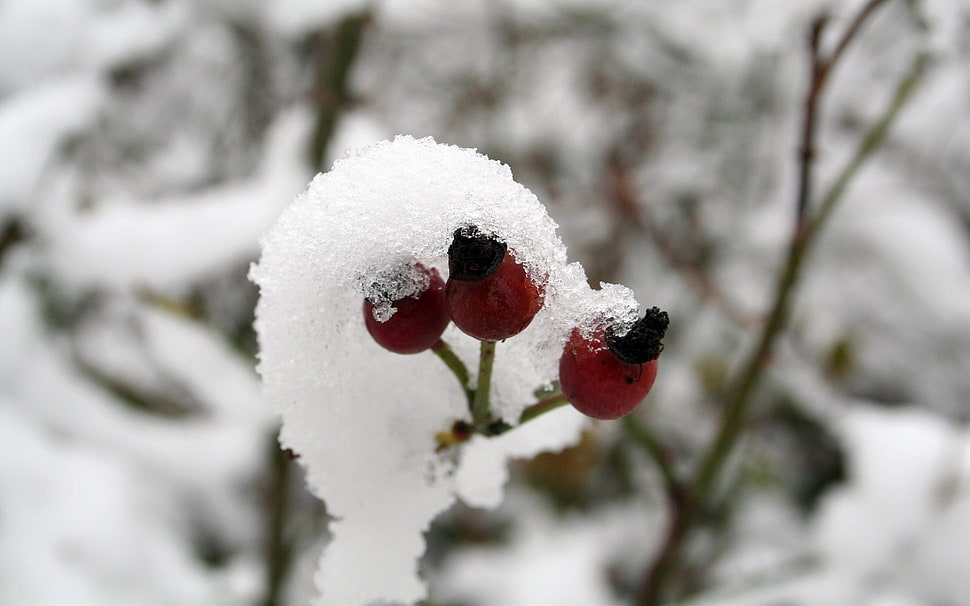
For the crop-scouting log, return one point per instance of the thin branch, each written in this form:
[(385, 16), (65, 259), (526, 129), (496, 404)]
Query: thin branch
[(738, 396), (625, 197), (818, 71), (850, 32), (456, 366), (278, 551), (331, 88), (872, 139), (673, 486), (820, 67)]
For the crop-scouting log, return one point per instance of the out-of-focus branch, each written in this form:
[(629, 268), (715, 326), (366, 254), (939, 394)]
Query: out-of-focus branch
[(820, 67), (335, 58), (805, 231), (278, 549), (656, 451), (331, 89), (871, 141), (624, 196)]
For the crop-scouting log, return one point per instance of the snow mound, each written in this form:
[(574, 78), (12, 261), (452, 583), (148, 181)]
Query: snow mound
[(362, 419)]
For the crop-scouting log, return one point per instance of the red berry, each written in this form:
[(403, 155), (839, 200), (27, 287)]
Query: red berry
[(418, 322), (489, 294), (605, 376)]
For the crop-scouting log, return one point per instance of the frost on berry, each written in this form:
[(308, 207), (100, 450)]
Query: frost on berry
[(363, 419)]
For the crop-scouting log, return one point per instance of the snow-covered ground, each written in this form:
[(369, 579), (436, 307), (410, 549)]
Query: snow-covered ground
[(146, 148)]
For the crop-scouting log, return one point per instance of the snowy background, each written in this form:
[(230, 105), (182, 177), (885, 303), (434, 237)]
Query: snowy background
[(147, 145)]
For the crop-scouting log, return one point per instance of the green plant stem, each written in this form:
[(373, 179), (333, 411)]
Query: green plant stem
[(480, 405), (543, 406), (653, 448), (871, 141), (737, 397), (456, 366)]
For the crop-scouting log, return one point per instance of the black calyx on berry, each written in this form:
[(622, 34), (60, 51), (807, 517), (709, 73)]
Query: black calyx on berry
[(643, 342), (474, 255)]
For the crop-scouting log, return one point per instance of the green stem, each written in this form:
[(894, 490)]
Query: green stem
[(480, 406), (653, 448), (542, 407), (456, 366), (872, 139)]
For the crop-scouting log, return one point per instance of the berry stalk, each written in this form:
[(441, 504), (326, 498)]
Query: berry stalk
[(480, 406), (456, 366)]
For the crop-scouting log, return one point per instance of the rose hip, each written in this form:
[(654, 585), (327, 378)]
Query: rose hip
[(418, 322), (489, 294), (605, 375)]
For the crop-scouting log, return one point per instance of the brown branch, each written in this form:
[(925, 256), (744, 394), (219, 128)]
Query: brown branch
[(850, 32), (278, 550), (805, 231), (820, 67), (624, 196), (331, 88), (331, 95)]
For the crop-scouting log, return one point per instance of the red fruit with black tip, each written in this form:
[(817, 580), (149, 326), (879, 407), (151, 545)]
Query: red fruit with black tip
[(490, 296), (418, 322), (604, 375)]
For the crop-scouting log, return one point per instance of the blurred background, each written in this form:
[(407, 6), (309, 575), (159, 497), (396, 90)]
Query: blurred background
[(145, 146)]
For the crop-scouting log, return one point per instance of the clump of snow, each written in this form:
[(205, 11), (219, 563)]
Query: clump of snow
[(898, 532), (567, 561), (384, 287), (33, 123), (364, 420), (110, 500), (904, 516), (182, 239)]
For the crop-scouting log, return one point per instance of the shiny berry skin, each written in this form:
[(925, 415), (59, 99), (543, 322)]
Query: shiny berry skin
[(418, 322), (489, 295), (605, 376)]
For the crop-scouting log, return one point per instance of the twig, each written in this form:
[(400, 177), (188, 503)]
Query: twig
[(818, 74), (331, 90), (625, 197), (852, 30), (819, 70), (805, 231), (278, 550), (872, 139), (331, 95), (673, 486)]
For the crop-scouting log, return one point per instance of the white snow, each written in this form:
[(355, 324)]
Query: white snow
[(146, 145), (33, 124), (364, 420), (552, 561), (898, 532), (100, 499), (172, 243)]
